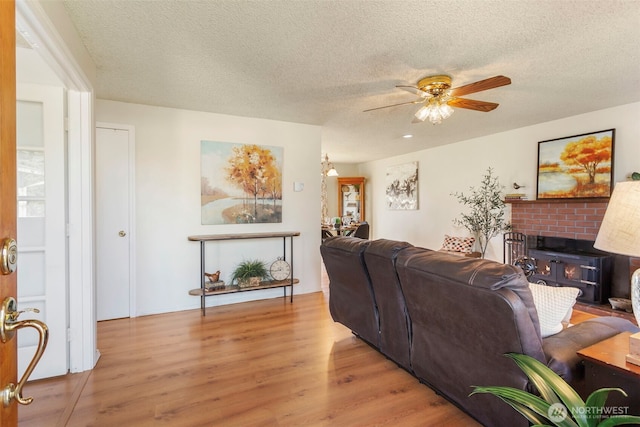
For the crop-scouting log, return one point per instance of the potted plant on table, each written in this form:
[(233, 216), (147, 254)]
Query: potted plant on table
[(249, 273), (558, 404), (337, 222)]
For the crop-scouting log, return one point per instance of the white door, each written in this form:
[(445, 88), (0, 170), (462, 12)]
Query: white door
[(42, 240), (114, 175)]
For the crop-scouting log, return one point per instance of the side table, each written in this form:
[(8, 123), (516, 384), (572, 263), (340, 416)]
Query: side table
[(605, 366)]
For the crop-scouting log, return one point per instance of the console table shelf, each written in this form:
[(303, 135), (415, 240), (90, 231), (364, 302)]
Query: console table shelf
[(230, 289), (202, 292), (238, 236)]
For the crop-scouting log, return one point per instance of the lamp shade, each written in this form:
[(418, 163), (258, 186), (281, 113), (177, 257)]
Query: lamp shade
[(620, 229)]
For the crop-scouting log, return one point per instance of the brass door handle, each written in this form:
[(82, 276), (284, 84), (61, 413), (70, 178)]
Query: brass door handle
[(9, 324), (122, 233)]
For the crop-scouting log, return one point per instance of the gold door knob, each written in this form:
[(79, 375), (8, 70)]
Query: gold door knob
[(122, 233)]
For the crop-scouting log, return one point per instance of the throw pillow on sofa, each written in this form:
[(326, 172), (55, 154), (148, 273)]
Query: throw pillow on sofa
[(554, 305), (458, 244)]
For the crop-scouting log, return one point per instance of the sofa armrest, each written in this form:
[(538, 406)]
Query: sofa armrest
[(561, 348)]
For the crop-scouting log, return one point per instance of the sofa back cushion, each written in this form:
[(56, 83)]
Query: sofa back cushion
[(466, 313), (351, 298), (395, 333)]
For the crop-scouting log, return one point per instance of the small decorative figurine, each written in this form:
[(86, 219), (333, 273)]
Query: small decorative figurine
[(213, 277)]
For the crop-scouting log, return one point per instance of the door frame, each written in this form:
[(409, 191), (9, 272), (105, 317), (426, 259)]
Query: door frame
[(36, 27), (131, 168)]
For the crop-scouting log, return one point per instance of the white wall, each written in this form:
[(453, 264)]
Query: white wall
[(168, 191), (512, 155), (168, 202)]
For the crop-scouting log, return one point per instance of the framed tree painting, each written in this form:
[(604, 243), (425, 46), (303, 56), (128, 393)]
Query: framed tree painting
[(576, 167), (240, 183)]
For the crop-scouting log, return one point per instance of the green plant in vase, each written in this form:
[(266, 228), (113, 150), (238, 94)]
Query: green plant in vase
[(249, 273), (558, 404), (336, 222), (485, 218)]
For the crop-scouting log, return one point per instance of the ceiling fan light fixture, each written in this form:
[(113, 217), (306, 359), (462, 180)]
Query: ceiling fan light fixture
[(437, 97), (423, 112), (436, 110), (445, 110), (435, 117)]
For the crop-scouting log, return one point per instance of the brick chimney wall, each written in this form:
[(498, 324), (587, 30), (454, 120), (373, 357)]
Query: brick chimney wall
[(574, 220)]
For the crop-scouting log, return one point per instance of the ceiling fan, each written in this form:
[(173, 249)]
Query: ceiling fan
[(437, 97)]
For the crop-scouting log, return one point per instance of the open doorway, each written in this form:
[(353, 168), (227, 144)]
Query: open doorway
[(37, 31)]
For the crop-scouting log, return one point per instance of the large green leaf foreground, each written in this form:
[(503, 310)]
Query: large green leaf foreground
[(558, 404)]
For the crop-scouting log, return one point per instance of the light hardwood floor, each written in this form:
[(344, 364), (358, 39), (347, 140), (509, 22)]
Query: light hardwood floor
[(263, 363)]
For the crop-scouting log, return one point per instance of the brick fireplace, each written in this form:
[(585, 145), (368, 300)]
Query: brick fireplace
[(573, 220)]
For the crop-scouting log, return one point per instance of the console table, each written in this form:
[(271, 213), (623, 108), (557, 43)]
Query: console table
[(202, 292)]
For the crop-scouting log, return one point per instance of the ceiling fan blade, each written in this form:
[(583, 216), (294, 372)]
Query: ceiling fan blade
[(486, 84), (414, 90), (395, 105), (472, 104)]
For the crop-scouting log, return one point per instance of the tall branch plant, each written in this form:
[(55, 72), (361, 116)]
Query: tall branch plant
[(485, 217)]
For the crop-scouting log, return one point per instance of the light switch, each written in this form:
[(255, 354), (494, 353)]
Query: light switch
[(298, 186)]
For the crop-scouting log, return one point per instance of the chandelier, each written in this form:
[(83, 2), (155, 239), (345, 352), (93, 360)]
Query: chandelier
[(327, 169), (435, 109)]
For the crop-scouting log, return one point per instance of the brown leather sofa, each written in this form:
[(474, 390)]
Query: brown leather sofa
[(449, 320)]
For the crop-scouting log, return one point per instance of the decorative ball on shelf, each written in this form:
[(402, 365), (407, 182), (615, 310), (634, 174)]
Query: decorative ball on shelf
[(635, 176)]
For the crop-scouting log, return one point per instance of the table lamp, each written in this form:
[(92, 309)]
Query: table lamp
[(620, 234)]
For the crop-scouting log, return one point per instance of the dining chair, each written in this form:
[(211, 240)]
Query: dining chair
[(362, 231), (326, 234)]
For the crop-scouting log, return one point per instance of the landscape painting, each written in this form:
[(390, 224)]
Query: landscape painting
[(240, 183), (576, 167), (402, 186)]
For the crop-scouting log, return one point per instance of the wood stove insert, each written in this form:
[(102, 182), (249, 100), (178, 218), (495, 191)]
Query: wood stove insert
[(570, 262)]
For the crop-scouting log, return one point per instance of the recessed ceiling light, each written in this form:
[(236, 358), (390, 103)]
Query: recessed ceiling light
[(407, 136)]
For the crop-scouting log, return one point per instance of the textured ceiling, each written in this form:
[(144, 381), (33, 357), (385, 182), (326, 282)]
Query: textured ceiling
[(322, 62)]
